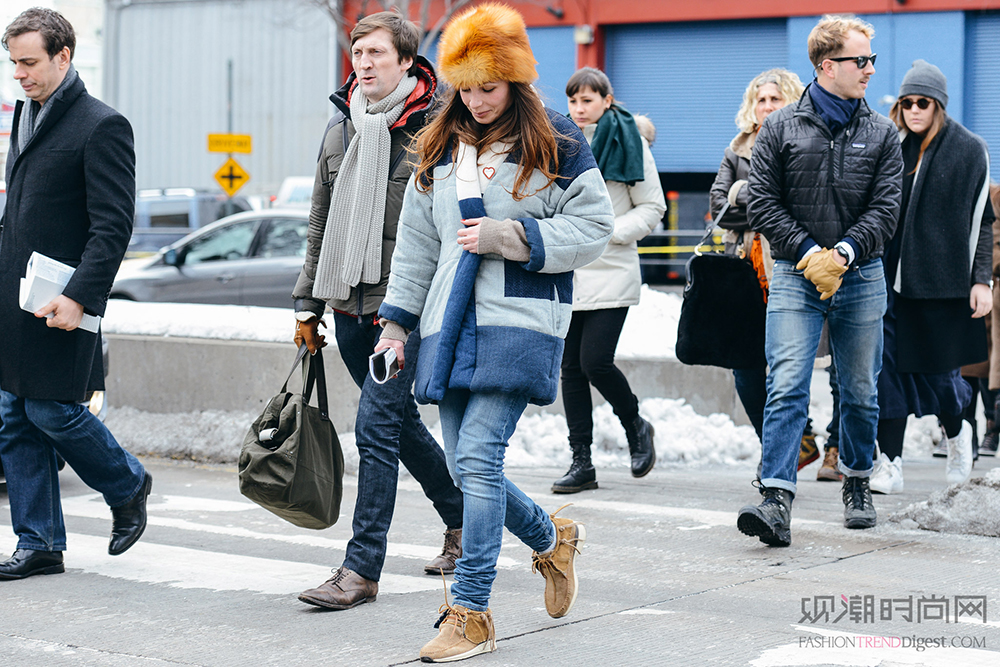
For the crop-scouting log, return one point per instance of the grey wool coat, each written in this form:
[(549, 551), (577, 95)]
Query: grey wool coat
[(71, 197)]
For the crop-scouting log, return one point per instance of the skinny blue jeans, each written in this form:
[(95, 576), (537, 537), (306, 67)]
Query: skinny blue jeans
[(475, 428), (795, 317)]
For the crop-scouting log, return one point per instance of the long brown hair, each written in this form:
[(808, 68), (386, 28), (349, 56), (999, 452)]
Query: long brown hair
[(896, 114), (524, 123)]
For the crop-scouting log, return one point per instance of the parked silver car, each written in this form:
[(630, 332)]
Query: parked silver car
[(251, 258)]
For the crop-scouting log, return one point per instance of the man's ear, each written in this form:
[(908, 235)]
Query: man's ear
[(407, 63), (63, 58)]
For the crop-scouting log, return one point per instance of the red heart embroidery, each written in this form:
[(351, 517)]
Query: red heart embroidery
[(488, 172)]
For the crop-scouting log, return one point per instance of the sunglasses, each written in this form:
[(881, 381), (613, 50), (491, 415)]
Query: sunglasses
[(860, 61), (907, 103)]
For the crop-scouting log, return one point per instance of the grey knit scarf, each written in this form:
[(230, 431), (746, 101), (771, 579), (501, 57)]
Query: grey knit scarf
[(352, 242), (33, 114)]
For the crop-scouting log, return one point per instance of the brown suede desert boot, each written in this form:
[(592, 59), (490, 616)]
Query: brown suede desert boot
[(462, 633), (559, 565), (345, 589)]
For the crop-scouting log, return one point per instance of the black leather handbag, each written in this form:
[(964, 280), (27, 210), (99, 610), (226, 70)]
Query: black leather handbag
[(291, 462), (722, 317)]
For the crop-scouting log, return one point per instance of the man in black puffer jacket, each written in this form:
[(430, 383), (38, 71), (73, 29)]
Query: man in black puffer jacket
[(825, 189)]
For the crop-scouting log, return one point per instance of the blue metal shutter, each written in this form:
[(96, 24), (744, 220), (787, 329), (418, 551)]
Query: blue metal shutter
[(689, 79), (555, 52), (982, 97)]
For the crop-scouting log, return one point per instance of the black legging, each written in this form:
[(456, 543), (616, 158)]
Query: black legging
[(589, 359)]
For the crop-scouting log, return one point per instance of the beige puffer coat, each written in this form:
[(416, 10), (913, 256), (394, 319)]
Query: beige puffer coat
[(613, 280)]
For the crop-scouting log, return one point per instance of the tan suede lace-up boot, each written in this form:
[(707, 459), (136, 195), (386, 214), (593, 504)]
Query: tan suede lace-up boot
[(559, 565), (462, 633)]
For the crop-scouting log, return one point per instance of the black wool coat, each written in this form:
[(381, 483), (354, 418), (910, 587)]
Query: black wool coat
[(71, 197)]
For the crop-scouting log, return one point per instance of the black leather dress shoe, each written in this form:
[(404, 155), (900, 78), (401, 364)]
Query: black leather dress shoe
[(27, 562), (129, 520)]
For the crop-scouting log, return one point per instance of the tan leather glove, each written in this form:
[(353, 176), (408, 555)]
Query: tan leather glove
[(308, 333), (824, 271)]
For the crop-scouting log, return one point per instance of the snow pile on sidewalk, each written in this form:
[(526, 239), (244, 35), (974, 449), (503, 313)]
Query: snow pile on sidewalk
[(972, 508), (210, 436), (683, 437)]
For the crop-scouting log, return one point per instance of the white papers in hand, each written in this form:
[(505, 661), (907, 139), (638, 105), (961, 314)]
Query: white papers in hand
[(44, 280)]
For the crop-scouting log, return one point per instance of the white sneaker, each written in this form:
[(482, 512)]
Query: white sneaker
[(887, 477), (959, 465)]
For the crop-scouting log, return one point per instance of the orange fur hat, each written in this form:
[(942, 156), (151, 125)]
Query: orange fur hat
[(488, 42)]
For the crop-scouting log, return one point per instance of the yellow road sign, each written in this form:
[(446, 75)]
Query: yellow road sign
[(229, 143), (231, 176)]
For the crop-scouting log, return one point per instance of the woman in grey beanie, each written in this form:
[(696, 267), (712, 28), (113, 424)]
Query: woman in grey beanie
[(938, 266)]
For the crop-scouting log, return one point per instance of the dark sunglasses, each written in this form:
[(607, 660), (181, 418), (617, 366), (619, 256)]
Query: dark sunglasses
[(907, 103), (860, 61)]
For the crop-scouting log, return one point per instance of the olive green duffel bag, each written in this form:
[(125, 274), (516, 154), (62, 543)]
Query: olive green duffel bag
[(291, 462)]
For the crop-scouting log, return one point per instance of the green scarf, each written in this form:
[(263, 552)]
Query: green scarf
[(617, 146)]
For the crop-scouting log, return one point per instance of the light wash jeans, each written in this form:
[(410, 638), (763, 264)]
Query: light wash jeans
[(795, 317), (31, 433), (475, 428)]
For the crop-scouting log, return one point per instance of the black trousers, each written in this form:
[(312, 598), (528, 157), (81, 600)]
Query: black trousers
[(589, 359)]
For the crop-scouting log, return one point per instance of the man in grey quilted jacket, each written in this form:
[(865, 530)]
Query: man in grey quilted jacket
[(825, 189)]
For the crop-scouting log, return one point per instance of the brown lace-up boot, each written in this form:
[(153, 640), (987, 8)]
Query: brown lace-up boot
[(828, 472), (444, 563)]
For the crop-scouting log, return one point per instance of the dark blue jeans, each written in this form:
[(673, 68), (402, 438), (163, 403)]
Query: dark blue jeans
[(31, 433), (388, 431)]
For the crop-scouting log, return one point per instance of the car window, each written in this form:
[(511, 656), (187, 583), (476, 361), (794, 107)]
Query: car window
[(225, 243), (285, 237)]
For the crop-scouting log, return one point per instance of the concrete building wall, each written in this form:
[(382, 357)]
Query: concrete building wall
[(166, 69)]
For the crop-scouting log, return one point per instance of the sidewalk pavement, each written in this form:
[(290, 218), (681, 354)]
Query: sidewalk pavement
[(665, 579)]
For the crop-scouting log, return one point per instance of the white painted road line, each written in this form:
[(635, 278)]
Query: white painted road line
[(701, 517), (92, 506), (181, 567)]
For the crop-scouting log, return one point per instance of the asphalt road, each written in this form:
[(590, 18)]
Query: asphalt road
[(666, 579)]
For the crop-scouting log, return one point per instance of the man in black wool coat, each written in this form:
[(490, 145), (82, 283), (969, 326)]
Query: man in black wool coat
[(71, 197)]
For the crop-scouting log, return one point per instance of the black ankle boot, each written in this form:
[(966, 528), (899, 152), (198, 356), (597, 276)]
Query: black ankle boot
[(639, 434), (771, 521), (581, 474)]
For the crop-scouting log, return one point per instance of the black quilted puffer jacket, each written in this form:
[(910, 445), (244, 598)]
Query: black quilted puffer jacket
[(807, 183)]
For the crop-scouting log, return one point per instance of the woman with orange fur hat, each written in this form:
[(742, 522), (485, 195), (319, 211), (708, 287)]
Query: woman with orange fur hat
[(506, 202)]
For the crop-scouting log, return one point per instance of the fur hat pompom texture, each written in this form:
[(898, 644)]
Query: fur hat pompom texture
[(488, 42)]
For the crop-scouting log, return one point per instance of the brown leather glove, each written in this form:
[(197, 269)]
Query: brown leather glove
[(308, 333), (824, 271)]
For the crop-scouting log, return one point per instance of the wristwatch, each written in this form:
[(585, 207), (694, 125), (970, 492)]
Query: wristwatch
[(843, 253)]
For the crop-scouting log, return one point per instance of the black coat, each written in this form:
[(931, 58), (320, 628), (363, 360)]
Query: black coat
[(806, 182), (948, 213), (70, 196)]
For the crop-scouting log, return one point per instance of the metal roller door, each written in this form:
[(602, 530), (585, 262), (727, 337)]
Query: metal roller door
[(982, 97), (689, 79)]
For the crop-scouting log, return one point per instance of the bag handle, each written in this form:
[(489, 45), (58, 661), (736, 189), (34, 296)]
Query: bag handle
[(313, 372), (711, 228), (295, 364)]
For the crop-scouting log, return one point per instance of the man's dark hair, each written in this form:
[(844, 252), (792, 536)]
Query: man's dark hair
[(405, 35), (57, 33)]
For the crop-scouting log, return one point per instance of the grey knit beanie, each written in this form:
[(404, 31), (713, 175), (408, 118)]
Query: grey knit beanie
[(927, 80)]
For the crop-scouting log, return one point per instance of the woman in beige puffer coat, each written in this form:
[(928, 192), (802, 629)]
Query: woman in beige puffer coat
[(604, 289)]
